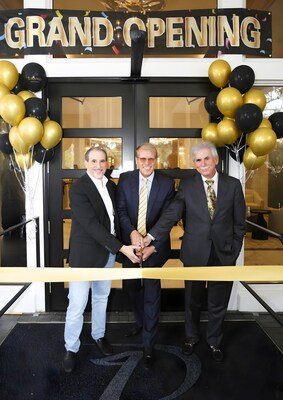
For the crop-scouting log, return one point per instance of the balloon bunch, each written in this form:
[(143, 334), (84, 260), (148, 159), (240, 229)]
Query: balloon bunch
[(238, 109), (25, 129)]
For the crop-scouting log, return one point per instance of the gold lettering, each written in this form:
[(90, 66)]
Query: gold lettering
[(19, 35), (56, 32), (200, 34), (35, 27), (127, 28), (156, 27), (212, 31), (98, 22), (223, 26), (171, 32), (255, 34), (75, 27)]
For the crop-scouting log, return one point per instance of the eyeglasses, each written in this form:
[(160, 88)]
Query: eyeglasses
[(149, 160)]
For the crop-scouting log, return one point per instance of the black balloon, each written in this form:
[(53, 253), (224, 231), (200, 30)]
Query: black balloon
[(210, 105), (35, 107), (41, 155), (20, 86), (242, 78), (248, 117), (34, 77), (5, 145), (276, 121)]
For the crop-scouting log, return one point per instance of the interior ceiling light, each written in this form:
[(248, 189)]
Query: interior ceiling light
[(134, 5)]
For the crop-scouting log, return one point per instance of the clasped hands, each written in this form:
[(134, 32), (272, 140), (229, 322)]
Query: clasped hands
[(144, 250)]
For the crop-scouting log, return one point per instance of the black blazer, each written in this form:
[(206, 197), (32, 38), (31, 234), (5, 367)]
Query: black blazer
[(91, 240), (161, 194), (226, 230)]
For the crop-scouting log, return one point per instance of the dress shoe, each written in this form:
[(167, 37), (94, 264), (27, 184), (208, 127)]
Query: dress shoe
[(188, 347), (104, 346), (69, 361), (217, 354), (134, 332), (147, 358)]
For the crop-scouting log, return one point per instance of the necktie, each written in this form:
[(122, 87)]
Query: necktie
[(142, 208), (211, 197)]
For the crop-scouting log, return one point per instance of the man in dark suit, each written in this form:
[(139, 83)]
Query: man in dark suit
[(93, 243), (213, 236), (145, 296)]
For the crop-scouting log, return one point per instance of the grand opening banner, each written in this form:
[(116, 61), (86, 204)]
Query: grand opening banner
[(169, 33)]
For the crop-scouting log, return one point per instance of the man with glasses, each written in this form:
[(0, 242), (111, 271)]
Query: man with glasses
[(142, 196), (214, 207)]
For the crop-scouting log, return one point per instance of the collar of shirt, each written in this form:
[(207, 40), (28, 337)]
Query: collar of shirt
[(215, 183), (149, 181), (99, 183)]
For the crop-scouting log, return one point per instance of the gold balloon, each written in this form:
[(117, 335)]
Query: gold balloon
[(9, 75), (219, 73), (12, 109), (52, 134), (265, 123), (3, 90), (24, 161), (262, 141), (30, 130), (251, 161), (228, 101), (26, 94), (227, 131), (17, 142), (255, 96)]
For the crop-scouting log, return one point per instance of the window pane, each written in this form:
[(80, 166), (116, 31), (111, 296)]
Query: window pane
[(177, 112), (92, 112), (73, 151), (174, 152)]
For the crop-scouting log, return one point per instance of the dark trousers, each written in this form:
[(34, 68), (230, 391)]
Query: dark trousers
[(145, 299), (218, 295)]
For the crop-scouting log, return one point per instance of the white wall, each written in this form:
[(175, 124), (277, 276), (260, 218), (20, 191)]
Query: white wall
[(33, 300)]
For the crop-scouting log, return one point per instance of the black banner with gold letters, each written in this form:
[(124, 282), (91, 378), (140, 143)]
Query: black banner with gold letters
[(169, 33)]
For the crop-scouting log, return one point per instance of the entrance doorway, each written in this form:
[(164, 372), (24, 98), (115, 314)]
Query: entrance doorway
[(118, 114)]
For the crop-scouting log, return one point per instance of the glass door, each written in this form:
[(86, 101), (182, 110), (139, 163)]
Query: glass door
[(119, 115)]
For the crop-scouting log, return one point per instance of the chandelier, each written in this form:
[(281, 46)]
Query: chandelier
[(134, 5)]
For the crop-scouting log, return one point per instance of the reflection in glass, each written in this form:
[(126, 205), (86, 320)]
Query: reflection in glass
[(92, 112), (174, 152), (66, 232), (73, 151), (177, 112)]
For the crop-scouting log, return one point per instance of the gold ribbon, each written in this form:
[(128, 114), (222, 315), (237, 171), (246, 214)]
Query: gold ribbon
[(251, 273)]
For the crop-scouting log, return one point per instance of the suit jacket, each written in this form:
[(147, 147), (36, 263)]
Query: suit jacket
[(161, 194), (91, 240), (226, 230)]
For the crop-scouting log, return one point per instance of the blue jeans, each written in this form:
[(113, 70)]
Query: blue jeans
[(78, 297)]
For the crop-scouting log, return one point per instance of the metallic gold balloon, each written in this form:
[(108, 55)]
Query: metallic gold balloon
[(209, 133), (17, 142), (26, 94), (9, 75), (24, 161), (228, 101), (255, 96), (219, 73), (251, 161), (12, 109), (52, 134), (262, 141), (227, 131), (30, 130), (265, 123), (3, 90)]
